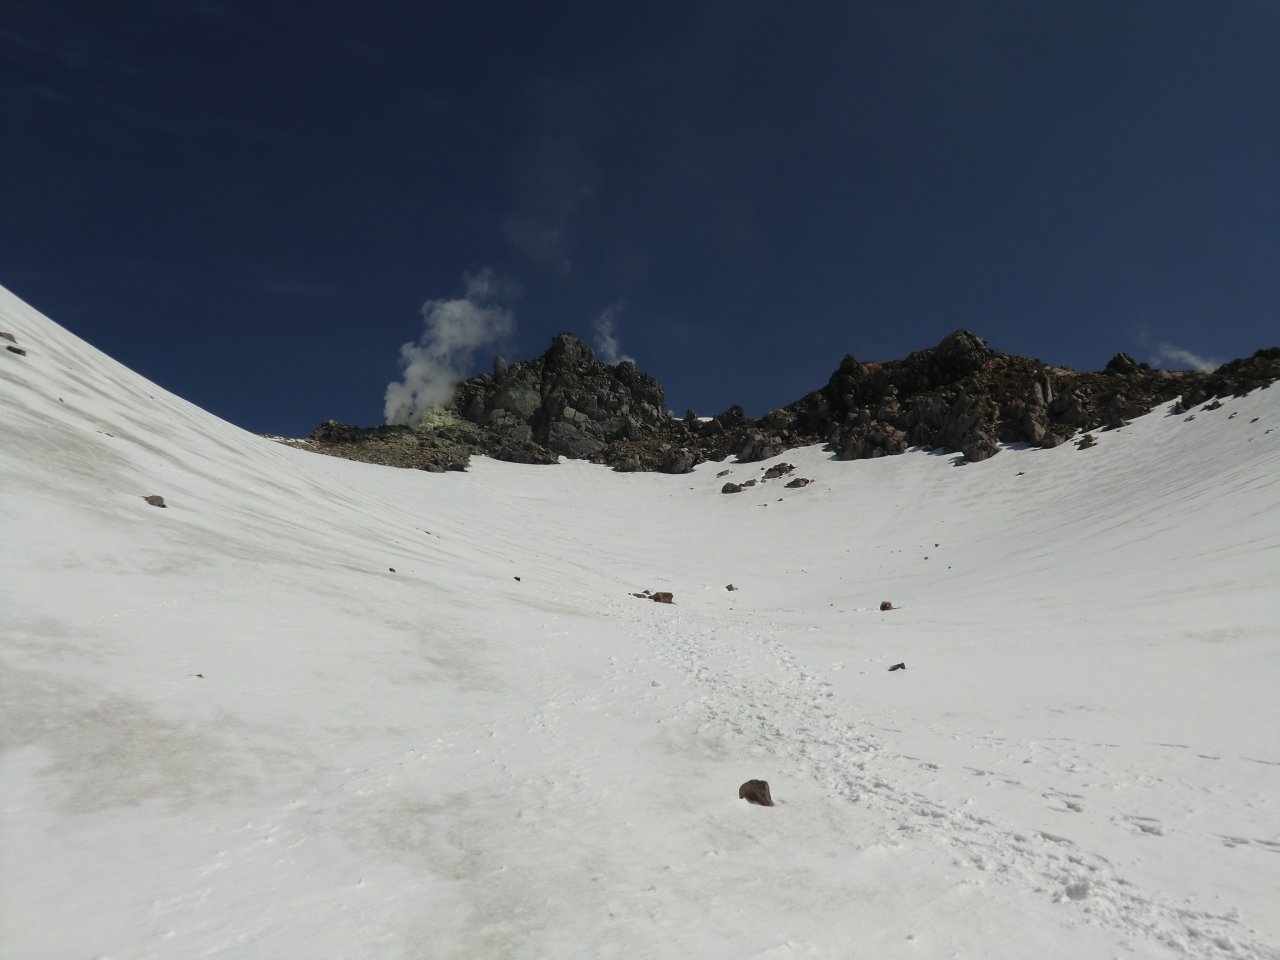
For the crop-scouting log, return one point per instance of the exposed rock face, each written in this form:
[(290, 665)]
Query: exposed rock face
[(961, 396), (565, 401)]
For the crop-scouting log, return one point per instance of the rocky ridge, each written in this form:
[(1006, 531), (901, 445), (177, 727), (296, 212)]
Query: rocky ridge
[(961, 395)]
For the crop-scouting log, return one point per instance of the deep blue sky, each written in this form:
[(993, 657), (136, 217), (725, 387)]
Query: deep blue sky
[(250, 202)]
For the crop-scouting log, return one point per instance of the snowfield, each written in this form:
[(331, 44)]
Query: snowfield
[(231, 730)]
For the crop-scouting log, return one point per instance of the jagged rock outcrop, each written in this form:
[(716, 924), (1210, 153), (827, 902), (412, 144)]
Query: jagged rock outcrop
[(563, 403), (961, 396)]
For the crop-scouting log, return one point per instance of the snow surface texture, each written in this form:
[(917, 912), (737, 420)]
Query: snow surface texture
[(230, 730)]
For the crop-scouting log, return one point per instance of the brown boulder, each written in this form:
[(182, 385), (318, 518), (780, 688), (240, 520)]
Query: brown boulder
[(756, 791)]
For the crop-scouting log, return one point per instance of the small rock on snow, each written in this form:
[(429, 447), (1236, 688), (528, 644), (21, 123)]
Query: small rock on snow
[(756, 791)]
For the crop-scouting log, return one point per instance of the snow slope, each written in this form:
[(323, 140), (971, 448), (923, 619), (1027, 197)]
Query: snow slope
[(230, 730)]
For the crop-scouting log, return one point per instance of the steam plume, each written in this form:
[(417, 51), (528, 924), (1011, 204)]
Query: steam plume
[(453, 331), (1176, 358), (607, 344)]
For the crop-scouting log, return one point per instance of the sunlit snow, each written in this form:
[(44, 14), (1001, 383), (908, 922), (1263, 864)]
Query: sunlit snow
[(230, 730)]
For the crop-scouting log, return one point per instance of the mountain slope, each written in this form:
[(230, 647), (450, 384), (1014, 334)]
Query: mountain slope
[(232, 730)]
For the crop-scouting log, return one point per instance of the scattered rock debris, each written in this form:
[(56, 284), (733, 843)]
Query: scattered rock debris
[(898, 666), (662, 596), (18, 350), (799, 482), (515, 578), (731, 488), (722, 473), (731, 588), (886, 605), (391, 569), (757, 792), (1212, 406), (1086, 442), (155, 500), (778, 470), (8, 336)]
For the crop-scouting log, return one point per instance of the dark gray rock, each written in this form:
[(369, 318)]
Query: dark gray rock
[(571, 439), (731, 488), (980, 446), (1068, 407), (1122, 363), (960, 354), (155, 500), (680, 461), (517, 396)]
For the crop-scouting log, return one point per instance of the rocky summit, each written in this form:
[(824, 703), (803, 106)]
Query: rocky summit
[(961, 396)]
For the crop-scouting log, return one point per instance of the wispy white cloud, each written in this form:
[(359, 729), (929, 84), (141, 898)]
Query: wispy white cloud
[(453, 331), (607, 344), (1171, 357)]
